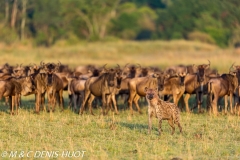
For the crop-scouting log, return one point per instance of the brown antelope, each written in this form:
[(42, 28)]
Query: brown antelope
[(223, 86), (237, 93), (76, 89), (194, 84), (174, 85), (105, 86), (137, 86), (13, 87), (54, 85)]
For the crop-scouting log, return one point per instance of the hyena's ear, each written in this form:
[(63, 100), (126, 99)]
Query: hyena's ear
[(145, 89)]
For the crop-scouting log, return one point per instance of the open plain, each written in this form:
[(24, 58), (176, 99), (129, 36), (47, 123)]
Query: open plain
[(63, 134)]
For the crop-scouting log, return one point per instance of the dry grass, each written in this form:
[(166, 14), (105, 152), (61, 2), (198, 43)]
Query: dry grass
[(119, 136), (156, 53)]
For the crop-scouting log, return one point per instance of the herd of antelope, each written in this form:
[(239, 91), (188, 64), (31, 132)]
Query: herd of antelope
[(85, 84)]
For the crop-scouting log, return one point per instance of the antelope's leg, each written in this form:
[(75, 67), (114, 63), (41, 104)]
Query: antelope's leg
[(135, 100), (42, 101), (108, 97), (61, 99), (104, 103), (231, 102), (74, 100), (90, 100), (70, 103), (17, 98), (187, 96), (199, 101), (132, 94), (114, 103), (49, 101), (86, 95), (38, 101), (11, 105), (54, 101), (208, 102), (214, 105), (226, 103)]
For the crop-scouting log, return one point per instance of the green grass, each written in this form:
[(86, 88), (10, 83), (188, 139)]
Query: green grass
[(119, 136)]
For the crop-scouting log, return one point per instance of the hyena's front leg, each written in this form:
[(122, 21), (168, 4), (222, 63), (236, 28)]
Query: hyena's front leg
[(159, 126), (180, 127), (150, 114)]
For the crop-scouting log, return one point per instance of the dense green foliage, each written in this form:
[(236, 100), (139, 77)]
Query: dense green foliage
[(45, 22)]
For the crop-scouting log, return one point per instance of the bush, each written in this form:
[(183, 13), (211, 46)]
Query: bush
[(200, 36), (176, 35), (8, 35), (220, 35), (41, 39), (128, 34)]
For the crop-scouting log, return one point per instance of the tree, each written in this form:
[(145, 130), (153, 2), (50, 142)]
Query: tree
[(14, 14), (23, 21), (95, 14), (6, 11), (46, 21)]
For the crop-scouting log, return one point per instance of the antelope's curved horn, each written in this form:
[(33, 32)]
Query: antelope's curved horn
[(59, 63), (139, 65), (118, 66), (126, 65), (42, 63), (209, 63), (230, 69), (104, 66)]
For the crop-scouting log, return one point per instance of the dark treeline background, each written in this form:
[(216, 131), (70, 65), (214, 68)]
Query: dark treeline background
[(45, 22)]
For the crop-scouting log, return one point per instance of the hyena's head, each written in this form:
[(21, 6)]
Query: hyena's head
[(151, 93)]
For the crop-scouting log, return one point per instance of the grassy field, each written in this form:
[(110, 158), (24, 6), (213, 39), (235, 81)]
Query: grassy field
[(116, 136), (154, 53), (60, 135)]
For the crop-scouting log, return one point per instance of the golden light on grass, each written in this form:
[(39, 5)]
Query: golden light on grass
[(120, 136), (146, 53)]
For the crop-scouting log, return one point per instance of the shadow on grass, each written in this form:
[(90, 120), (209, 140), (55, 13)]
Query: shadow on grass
[(27, 104), (133, 126), (136, 126)]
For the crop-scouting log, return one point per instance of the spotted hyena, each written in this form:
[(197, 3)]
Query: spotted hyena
[(162, 110)]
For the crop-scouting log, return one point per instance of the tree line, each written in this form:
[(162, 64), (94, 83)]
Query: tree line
[(47, 21)]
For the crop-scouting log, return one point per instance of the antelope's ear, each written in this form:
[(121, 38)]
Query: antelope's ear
[(167, 76), (155, 75), (206, 66), (233, 73), (194, 66), (145, 89)]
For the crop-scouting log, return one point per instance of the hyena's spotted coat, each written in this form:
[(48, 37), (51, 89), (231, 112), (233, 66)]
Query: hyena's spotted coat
[(162, 110)]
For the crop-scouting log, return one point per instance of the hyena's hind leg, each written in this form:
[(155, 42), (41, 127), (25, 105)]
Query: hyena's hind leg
[(171, 123), (179, 125), (177, 121)]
